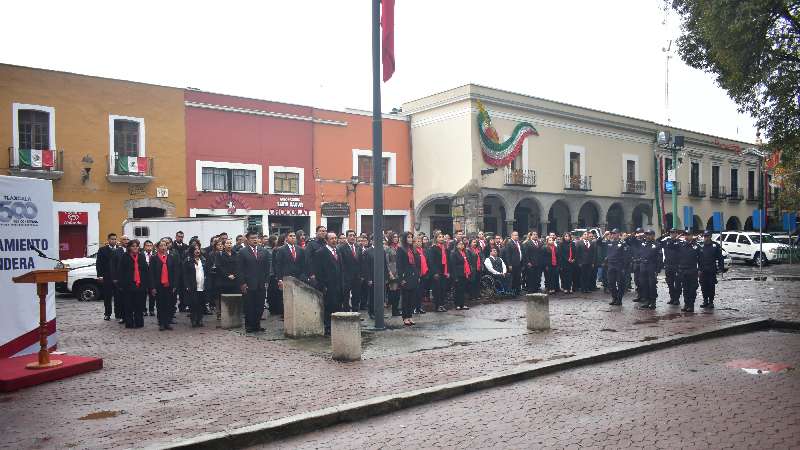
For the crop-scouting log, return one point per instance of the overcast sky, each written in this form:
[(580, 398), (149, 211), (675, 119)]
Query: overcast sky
[(602, 55)]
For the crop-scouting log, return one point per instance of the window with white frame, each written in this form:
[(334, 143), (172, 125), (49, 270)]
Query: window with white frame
[(362, 166), (33, 127), (231, 180), (126, 137), (287, 183)]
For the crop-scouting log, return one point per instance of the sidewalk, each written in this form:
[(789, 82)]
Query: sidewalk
[(159, 387)]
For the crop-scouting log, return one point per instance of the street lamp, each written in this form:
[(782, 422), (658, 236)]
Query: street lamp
[(762, 215), (672, 143)]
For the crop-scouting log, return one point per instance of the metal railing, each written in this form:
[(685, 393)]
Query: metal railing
[(719, 192), (20, 159), (752, 196), (520, 177), (736, 194), (697, 190), (634, 186), (131, 166), (577, 183)]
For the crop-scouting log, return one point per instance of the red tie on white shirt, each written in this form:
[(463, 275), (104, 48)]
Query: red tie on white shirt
[(255, 252), (353, 249), (294, 255), (335, 256)]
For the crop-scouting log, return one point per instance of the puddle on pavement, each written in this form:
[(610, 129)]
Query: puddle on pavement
[(100, 415), (656, 319), (758, 367), (648, 338), (610, 330), (764, 278), (569, 355)]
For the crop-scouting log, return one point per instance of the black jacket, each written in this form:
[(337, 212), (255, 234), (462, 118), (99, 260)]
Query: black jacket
[(563, 253), (408, 273), (181, 250), (510, 254), (125, 274), (689, 256), (253, 270), (285, 264), (366, 263), (457, 264), (226, 265), (328, 270), (189, 278), (311, 248), (350, 263), (435, 261), (174, 270), (586, 256), (711, 259), (104, 264), (651, 256)]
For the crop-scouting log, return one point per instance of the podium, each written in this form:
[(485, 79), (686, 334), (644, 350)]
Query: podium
[(41, 278)]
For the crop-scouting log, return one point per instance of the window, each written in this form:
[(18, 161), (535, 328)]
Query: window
[(743, 239), (734, 180), (574, 164), (126, 137), (287, 183), (667, 163), (141, 232), (751, 184), (695, 175), (731, 238), (34, 129), (715, 178), (365, 169), (630, 170), (234, 180)]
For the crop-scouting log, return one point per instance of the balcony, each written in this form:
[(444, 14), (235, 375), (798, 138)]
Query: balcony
[(697, 190), (520, 177), (719, 192), (577, 183), (675, 185), (638, 187), (752, 196), (132, 170), (736, 195), (42, 164)]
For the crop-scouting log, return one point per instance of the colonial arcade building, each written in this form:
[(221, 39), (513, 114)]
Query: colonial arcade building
[(491, 160)]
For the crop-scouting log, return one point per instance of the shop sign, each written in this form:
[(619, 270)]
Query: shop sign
[(162, 192), (73, 218), (290, 202), (289, 206), (288, 212), (231, 203), (336, 209)]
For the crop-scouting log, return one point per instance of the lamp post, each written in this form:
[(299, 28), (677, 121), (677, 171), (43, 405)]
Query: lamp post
[(673, 144), (762, 215)]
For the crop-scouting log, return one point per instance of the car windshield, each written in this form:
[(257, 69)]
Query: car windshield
[(768, 239)]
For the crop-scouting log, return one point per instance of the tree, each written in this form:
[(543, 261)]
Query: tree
[(753, 48)]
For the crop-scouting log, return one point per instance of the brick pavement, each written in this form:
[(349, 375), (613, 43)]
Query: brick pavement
[(167, 386), (683, 397)]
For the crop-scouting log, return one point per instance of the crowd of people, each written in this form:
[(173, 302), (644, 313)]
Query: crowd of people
[(171, 275)]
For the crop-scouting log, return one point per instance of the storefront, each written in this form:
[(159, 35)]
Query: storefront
[(335, 216), (78, 229), (289, 214)]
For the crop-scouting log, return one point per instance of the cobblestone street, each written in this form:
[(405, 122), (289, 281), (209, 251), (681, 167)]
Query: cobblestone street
[(683, 397), (160, 387)]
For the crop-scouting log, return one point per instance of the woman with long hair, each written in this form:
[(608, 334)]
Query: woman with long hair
[(476, 264), (226, 282), (408, 271), (133, 279), (551, 267), (392, 281), (195, 270), (461, 273), (424, 274)]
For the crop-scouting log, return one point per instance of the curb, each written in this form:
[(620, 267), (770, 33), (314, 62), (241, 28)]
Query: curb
[(266, 432)]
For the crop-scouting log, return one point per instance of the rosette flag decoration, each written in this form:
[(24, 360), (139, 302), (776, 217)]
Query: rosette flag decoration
[(494, 152)]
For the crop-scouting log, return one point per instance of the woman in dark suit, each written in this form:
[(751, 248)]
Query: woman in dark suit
[(133, 278), (196, 279), (461, 273), (476, 265), (408, 264), (424, 273)]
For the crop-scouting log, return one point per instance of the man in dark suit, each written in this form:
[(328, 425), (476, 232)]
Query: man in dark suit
[(180, 249), (534, 266), (328, 270), (116, 256), (512, 255), (290, 260), (253, 263), (587, 254), (311, 248), (104, 264), (351, 272), (366, 271)]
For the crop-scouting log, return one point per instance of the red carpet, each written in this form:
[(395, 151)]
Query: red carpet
[(14, 375)]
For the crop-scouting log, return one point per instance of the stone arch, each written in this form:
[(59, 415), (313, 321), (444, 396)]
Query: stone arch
[(589, 215), (748, 224), (642, 215), (668, 218), (426, 217), (151, 205), (528, 215), (697, 223), (495, 214), (710, 224), (559, 218), (733, 224), (615, 217), (430, 199)]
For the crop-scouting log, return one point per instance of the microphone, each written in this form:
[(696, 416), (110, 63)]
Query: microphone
[(42, 255)]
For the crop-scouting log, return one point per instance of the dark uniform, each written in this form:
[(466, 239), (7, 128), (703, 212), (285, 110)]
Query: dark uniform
[(617, 259), (635, 245), (650, 264), (670, 247), (711, 263), (688, 264)]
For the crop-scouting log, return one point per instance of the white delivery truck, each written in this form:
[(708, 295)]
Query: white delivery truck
[(203, 227)]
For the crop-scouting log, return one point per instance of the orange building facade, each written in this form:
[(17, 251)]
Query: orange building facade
[(342, 159)]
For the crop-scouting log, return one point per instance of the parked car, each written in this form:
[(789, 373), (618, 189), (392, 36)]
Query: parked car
[(744, 246), (81, 279)]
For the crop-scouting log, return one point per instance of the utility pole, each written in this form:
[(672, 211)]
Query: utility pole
[(377, 171), (762, 215), (673, 144)]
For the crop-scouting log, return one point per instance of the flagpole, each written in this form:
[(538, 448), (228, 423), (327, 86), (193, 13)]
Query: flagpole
[(377, 170)]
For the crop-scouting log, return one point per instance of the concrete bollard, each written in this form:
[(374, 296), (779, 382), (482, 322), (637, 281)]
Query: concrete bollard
[(538, 312), (232, 308), (303, 308), (346, 336)]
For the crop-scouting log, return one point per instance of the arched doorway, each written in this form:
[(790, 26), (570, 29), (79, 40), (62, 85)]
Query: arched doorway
[(733, 224), (527, 216), (697, 223), (748, 224), (558, 218), (710, 224), (615, 217), (436, 215), (494, 215), (588, 216), (669, 221), (642, 216)]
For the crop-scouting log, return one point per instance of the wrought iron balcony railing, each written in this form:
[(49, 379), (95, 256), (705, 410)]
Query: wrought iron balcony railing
[(577, 183), (520, 177), (697, 190), (44, 164), (634, 187)]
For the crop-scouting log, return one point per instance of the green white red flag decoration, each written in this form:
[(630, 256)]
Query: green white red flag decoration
[(494, 152), (131, 164), (36, 158)]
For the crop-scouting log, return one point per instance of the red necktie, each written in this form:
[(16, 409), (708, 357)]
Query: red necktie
[(255, 252), (335, 256), (353, 249), (294, 255)]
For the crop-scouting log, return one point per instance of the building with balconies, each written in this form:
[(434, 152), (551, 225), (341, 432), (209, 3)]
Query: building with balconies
[(113, 149)]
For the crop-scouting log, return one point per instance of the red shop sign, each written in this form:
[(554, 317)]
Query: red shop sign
[(73, 218)]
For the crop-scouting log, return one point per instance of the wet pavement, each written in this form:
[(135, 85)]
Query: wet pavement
[(694, 397), (159, 387)]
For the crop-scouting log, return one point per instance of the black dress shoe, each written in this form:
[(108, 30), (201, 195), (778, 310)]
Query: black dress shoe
[(167, 327), (688, 309), (704, 305), (152, 314), (637, 300), (710, 305), (106, 318), (673, 302), (161, 328)]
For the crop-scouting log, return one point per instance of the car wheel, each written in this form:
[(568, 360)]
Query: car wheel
[(86, 292), (764, 260)]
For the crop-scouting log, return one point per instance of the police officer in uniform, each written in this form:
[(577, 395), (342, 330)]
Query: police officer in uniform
[(635, 244), (688, 268), (711, 263), (617, 258), (650, 264), (670, 245)]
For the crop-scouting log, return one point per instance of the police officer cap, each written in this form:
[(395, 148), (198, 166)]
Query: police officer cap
[(674, 230), (615, 231), (707, 233), (639, 230), (649, 231)]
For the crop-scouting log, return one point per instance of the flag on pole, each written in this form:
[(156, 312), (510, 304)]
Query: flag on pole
[(36, 158), (132, 164), (387, 38)]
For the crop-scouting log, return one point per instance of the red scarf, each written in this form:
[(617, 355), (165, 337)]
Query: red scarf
[(423, 263), (477, 254), (553, 256), (410, 254), (444, 258), (137, 277), (467, 270), (570, 250), (164, 272)]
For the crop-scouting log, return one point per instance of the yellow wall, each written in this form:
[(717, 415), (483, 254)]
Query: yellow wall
[(82, 108)]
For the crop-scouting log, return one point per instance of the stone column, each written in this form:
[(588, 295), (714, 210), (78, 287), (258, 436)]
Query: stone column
[(538, 312), (509, 227), (346, 336), (232, 307), (303, 309)]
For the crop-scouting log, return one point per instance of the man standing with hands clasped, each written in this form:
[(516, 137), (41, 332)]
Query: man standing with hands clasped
[(253, 263)]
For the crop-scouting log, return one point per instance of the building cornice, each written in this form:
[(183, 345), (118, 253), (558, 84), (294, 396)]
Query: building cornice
[(264, 113)]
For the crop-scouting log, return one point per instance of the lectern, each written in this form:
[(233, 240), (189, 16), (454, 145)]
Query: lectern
[(41, 278)]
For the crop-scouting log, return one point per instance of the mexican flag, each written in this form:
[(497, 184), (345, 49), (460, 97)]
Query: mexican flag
[(36, 158), (132, 164)]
